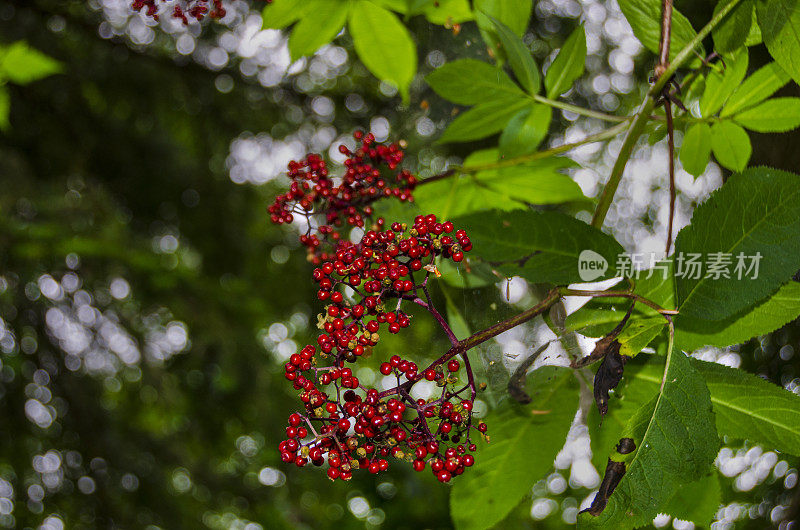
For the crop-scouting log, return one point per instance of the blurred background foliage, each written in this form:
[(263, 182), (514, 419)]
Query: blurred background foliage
[(147, 305)]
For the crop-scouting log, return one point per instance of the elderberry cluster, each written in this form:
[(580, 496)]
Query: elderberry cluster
[(183, 10), (353, 427), (371, 173)]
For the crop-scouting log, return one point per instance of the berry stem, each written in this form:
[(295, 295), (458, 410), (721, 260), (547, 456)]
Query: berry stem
[(461, 347)]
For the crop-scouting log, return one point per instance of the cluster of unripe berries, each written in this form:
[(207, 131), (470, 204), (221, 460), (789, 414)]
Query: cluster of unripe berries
[(371, 173), (352, 427), (196, 9)]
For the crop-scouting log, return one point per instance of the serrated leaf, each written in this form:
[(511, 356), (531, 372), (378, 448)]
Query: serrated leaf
[(483, 120), (507, 468), (762, 84), (525, 131), (697, 501), (644, 16), (21, 64), (537, 182), (773, 115), (769, 315), (383, 44), (756, 211), (731, 145), (282, 13), (519, 57), (471, 82), (746, 406), (779, 20), (749, 407), (696, 149), (568, 65), (539, 246), (722, 81), (638, 334), (732, 32), (676, 444), (313, 32)]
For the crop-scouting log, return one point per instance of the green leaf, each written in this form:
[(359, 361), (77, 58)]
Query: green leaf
[(756, 211), (754, 37), (762, 84), (746, 406), (769, 315), (519, 57), (779, 20), (448, 11), (5, 108), (21, 64), (638, 334), (722, 81), (483, 120), (506, 469), (732, 32), (513, 13), (471, 82), (697, 501), (539, 246), (314, 32), (525, 131), (537, 182), (568, 65), (675, 444), (696, 149), (281, 13), (773, 115), (644, 16), (731, 145), (383, 44)]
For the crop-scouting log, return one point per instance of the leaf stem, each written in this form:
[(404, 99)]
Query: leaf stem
[(589, 113)]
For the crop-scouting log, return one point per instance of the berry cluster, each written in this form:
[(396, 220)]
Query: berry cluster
[(358, 428), (371, 173), (196, 9)]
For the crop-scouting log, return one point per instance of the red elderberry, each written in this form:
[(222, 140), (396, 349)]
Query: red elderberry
[(182, 9), (356, 427), (371, 173)]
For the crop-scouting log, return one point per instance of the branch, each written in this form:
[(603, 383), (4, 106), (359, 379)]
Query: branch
[(637, 127)]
